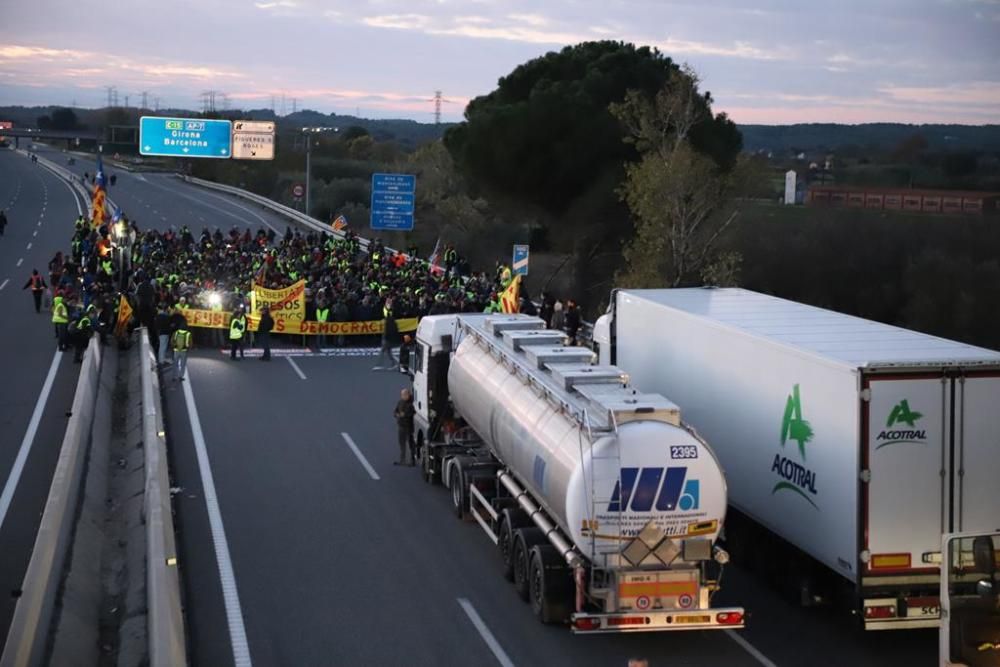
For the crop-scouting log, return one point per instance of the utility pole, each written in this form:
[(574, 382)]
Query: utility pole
[(308, 169), (437, 107), (126, 100), (145, 99)]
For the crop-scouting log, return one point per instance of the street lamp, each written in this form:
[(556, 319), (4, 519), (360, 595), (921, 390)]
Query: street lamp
[(307, 132)]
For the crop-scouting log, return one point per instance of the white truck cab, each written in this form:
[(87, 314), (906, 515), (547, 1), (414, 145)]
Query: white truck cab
[(970, 600)]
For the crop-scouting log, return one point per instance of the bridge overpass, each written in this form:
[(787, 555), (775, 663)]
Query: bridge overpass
[(300, 543)]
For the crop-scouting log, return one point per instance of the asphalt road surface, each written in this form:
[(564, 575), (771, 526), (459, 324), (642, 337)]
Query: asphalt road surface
[(38, 382), (301, 544)]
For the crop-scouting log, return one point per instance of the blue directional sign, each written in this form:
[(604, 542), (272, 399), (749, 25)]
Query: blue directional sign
[(520, 263), (393, 201), (185, 137)]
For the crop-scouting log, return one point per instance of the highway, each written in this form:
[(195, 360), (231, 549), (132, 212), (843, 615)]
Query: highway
[(39, 382), (301, 544)]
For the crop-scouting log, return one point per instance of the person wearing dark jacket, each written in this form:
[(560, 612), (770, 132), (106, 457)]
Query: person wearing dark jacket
[(404, 426), (572, 320), (390, 338), (37, 285), (264, 332)]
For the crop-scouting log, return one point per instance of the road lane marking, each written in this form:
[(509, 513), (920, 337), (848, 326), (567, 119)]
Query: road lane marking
[(749, 648), (34, 233), (20, 261), (29, 437), (296, 367), (230, 596), (4, 284), (29, 246), (485, 633), (361, 457), (202, 202), (239, 206)]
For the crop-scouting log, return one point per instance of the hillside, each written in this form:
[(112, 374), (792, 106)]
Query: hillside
[(878, 137)]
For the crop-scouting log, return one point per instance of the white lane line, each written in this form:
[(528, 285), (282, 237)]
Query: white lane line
[(29, 246), (29, 437), (39, 223), (485, 633), (34, 233), (202, 202), (296, 367), (361, 457), (20, 261), (239, 206), (749, 648), (4, 283), (230, 596)]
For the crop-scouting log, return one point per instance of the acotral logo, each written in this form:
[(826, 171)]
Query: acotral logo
[(794, 476), (901, 414), (641, 490), (793, 426)]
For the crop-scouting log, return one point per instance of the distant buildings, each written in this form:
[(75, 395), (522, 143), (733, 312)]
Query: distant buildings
[(903, 199)]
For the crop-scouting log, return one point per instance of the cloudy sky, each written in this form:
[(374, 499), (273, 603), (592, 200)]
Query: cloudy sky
[(765, 61)]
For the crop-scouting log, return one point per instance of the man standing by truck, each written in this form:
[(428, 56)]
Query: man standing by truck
[(404, 426)]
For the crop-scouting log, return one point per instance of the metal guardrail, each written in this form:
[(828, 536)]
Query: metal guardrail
[(29, 634), (165, 622)]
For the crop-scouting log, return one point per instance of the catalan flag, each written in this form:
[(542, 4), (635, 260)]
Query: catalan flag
[(124, 316), (339, 224), (98, 196), (510, 298)]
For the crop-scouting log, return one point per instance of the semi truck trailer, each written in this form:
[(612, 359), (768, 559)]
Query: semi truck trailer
[(604, 506), (850, 446)]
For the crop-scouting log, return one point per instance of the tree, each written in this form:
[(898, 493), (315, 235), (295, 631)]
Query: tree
[(682, 191)]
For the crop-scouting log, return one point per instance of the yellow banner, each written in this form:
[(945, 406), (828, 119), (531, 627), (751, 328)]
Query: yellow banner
[(288, 305), (219, 319)]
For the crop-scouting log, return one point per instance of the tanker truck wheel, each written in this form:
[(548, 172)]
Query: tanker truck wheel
[(524, 539), (511, 519), (549, 584)]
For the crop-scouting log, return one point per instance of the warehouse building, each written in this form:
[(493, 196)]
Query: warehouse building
[(903, 199)]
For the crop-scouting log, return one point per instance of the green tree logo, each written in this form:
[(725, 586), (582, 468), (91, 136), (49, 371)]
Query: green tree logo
[(793, 426), (902, 414)]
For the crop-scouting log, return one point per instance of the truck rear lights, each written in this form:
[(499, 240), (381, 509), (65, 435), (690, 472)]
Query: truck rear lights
[(881, 611), (587, 623), (729, 618), (627, 620)]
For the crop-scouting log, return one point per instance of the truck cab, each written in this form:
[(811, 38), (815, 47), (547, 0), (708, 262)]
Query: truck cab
[(970, 600)]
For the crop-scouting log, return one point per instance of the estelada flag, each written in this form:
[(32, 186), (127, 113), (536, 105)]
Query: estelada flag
[(124, 316), (97, 199), (510, 299), (339, 224)]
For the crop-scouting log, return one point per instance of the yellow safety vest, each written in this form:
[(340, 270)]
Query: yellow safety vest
[(237, 327), (59, 313), (322, 314), (182, 340)]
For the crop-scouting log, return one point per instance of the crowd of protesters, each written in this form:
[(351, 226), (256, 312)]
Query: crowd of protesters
[(162, 273)]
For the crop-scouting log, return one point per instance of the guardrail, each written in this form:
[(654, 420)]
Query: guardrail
[(31, 628), (165, 622)]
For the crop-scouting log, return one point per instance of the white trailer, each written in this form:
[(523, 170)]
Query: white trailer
[(605, 508), (856, 443)]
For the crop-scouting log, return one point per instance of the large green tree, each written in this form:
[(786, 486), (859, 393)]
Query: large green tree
[(544, 144)]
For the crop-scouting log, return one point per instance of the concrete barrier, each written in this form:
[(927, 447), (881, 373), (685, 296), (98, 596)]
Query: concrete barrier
[(165, 622), (31, 628)]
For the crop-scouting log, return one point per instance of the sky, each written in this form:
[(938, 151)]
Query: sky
[(765, 61)]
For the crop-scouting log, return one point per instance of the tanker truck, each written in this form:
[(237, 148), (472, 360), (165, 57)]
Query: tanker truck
[(604, 506), (850, 446)]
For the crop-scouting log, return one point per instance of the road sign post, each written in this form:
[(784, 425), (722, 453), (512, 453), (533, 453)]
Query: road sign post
[(519, 264), (393, 201), (185, 137)]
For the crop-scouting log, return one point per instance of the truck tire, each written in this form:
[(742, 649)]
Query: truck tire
[(524, 540), (510, 520), (459, 497), (549, 582)]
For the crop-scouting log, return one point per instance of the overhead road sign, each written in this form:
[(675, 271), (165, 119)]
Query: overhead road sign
[(519, 265), (393, 201), (185, 137), (253, 140)]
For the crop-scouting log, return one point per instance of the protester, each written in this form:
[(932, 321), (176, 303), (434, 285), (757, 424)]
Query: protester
[(404, 427), (37, 285), (264, 332)]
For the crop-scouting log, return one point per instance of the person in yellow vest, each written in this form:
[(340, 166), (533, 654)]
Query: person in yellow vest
[(181, 343), (322, 315), (60, 318), (237, 330)]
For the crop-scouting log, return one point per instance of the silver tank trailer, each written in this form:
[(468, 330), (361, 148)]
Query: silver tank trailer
[(601, 486)]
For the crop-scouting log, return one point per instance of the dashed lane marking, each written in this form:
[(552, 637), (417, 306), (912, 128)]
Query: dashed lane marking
[(749, 648), (485, 633), (361, 457), (4, 283), (295, 366), (29, 246), (20, 261)]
